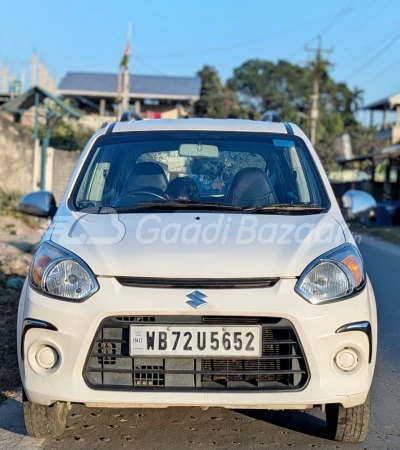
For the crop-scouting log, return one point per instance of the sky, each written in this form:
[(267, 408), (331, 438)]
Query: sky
[(177, 37)]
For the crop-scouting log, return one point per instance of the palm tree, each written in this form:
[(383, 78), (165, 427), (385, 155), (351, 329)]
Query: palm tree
[(357, 99)]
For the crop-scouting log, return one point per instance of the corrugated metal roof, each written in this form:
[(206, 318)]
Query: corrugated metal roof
[(23, 102), (140, 85), (385, 103)]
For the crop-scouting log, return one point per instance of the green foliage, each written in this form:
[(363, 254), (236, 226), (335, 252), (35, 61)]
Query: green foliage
[(216, 100), (66, 137), (258, 86), (286, 88), (8, 202)]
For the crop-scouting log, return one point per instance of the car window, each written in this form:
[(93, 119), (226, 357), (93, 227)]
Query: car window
[(240, 169)]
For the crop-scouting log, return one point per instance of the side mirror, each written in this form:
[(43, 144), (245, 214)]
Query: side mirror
[(39, 204), (358, 205)]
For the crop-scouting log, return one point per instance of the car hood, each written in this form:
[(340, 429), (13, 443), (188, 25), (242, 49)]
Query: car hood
[(195, 244)]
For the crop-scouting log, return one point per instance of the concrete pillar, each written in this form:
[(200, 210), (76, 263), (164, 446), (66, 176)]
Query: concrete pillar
[(34, 70), (102, 107), (42, 76), (179, 110), (398, 116), (36, 165), (385, 119), (4, 80), (138, 107), (371, 119), (12, 86), (49, 169)]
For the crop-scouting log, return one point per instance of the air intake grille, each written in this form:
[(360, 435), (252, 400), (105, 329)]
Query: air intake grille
[(282, 365)]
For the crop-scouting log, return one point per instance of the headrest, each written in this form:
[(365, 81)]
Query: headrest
[(250, 187), (146, 174)]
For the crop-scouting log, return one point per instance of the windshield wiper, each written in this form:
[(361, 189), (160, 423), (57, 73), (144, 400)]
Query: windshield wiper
[(176, 204), (285, 208)]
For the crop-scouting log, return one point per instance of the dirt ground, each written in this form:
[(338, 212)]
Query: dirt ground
[(18, 241), (388, 234)]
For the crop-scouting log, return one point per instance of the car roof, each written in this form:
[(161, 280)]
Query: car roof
[(199, 125)]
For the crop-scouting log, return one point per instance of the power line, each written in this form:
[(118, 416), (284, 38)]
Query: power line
[(367, 49), (377, 55), (342, 13), (293, 29), (381, 7), (384, 71), (349, 6)]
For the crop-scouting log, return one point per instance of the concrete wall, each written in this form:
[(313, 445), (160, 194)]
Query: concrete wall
[(17, 158), (20, 162)]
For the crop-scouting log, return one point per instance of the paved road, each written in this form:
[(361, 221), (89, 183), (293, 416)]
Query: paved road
[(181, 428)]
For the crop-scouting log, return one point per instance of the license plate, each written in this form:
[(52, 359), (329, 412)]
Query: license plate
[(196, 341)]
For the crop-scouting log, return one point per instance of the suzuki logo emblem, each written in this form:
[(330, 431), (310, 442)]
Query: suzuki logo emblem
[(196, 299)]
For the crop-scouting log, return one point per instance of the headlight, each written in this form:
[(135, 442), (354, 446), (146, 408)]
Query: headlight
[(333, 276), (61, 274)]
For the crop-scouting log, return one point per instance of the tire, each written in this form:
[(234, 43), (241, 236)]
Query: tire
[(44, 421), (348, 425)]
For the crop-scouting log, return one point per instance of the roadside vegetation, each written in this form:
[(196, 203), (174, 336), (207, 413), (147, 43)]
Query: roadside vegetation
[(8, 203), (388, 234), (9, 375), (259, 85), (18, 240)]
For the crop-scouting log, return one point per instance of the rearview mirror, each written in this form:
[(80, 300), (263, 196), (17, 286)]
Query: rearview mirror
[(199, 150), (39, 204), (358, 205)]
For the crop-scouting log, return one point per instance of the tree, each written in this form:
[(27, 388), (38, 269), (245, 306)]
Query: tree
[(216, 100), (66, 137), (282, 87), (286, 88), (211, 93)]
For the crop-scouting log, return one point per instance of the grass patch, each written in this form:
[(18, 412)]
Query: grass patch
[(9, 203), (388, 234), (9, 374)]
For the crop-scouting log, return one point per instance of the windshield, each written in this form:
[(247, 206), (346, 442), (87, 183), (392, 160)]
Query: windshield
[(239, 170)]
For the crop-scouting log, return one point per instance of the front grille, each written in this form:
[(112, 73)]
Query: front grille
[(198, 283), (282, 365)]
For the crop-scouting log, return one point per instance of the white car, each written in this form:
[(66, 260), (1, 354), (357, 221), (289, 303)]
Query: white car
[(197, 263)]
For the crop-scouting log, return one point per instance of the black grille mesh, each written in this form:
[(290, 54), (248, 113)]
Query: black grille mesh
[(282, 365)]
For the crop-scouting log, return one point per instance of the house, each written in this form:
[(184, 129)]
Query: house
[(152, 96), (388, 132)]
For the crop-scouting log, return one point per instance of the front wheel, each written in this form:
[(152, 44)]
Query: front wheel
[(44, 421), (349, 425)]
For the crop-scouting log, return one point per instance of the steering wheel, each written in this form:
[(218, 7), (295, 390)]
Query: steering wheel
[(153, 192)]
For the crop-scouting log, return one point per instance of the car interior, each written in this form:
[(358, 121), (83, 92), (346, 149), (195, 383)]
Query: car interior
[(120, 178)]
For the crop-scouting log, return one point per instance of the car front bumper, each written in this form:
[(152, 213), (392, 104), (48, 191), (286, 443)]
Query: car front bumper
[(316, 327)]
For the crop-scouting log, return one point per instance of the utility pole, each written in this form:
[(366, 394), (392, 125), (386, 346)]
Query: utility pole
[(125, 94), (318, 65)]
